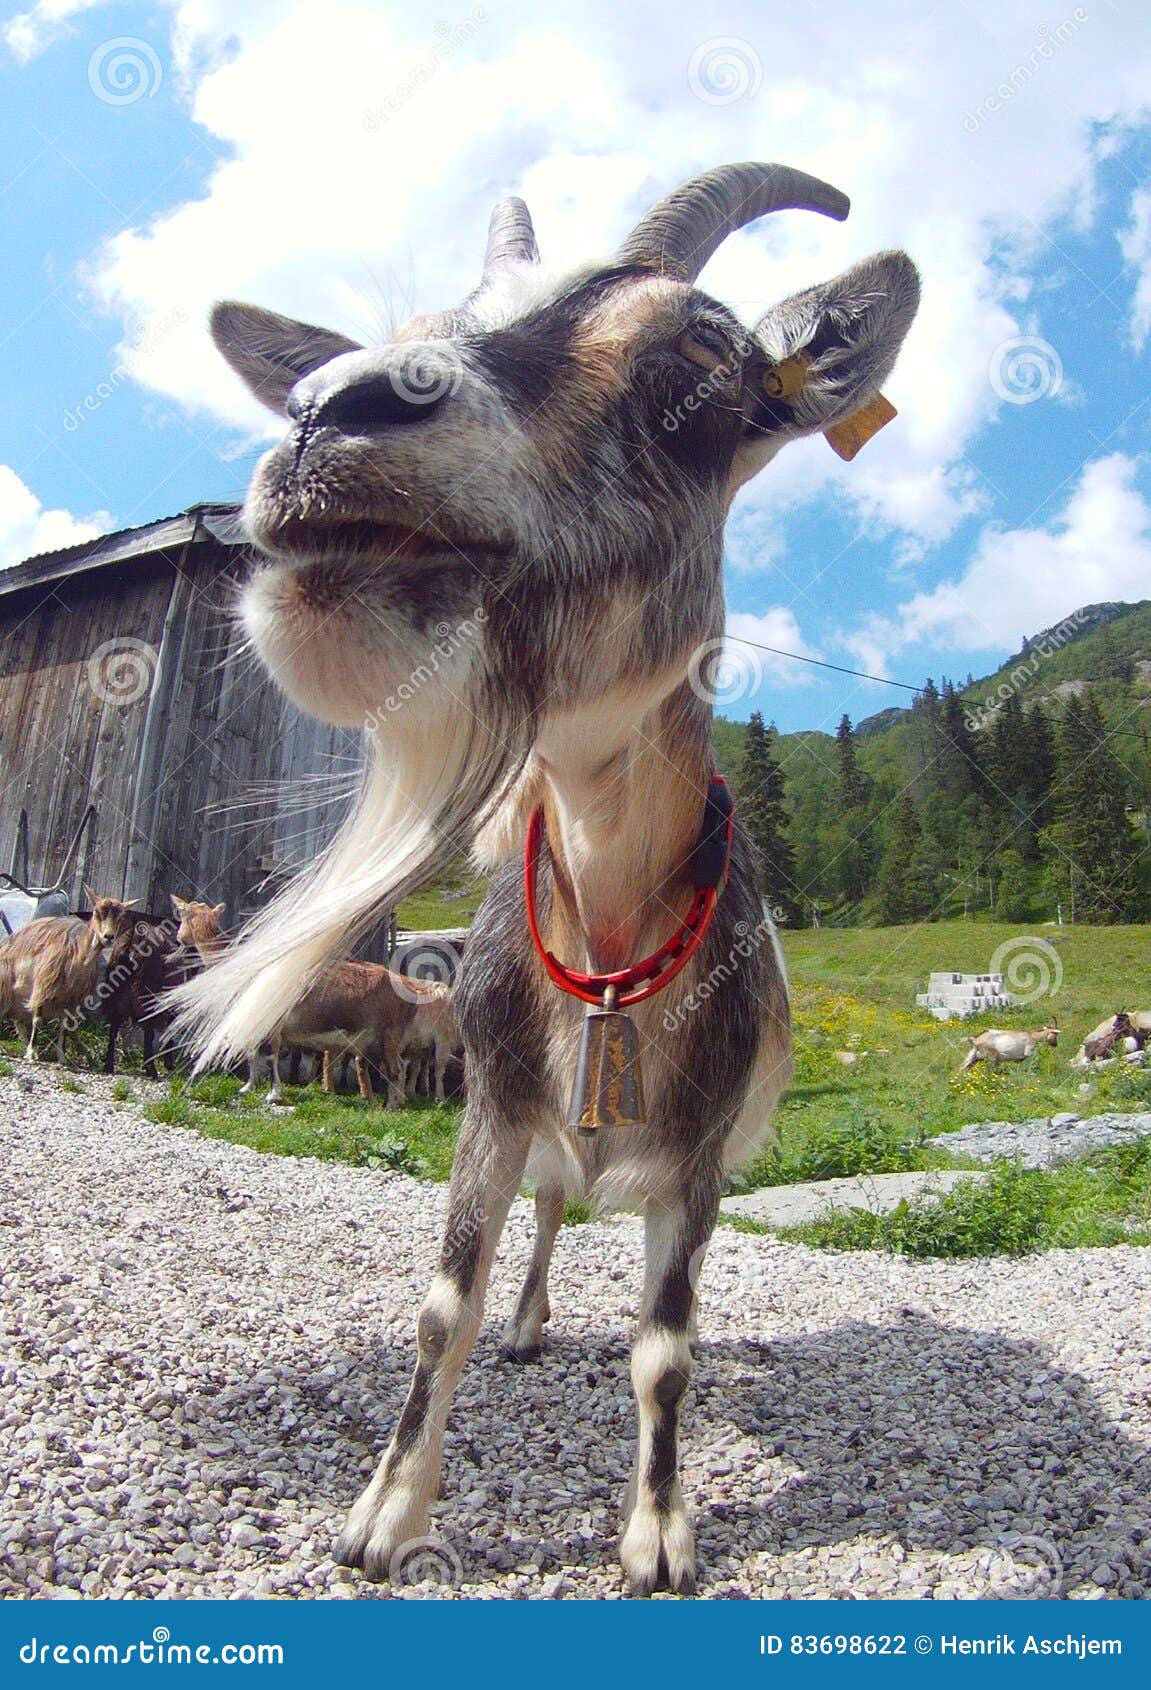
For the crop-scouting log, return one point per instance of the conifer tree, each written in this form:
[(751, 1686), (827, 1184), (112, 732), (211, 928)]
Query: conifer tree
[(1091, 803), (852, 787), (763, 814)]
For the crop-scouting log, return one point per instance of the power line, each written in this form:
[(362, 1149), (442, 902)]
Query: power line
[(860, 674)]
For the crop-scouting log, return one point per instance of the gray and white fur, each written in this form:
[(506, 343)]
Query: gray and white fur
[(496, 542)]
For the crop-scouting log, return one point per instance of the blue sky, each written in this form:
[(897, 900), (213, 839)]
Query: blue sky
[(337, 161)]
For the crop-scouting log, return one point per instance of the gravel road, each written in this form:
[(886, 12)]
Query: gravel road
[(203, 1348)]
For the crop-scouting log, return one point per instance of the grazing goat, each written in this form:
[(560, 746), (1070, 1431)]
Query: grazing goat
[(358, 1008), (50, 969), (995, 1046), (496, 542), (433, 1039)]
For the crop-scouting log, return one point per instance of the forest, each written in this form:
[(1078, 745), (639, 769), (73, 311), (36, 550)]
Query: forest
[(1023, 796)]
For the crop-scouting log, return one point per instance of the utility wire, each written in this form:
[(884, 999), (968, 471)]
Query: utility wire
[(860, 674)]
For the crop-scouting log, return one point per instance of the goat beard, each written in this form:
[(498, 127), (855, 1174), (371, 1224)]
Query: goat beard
[(423, 796)]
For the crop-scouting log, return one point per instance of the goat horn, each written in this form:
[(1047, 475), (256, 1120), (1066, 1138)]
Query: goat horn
[(679, 235), (511, 238)]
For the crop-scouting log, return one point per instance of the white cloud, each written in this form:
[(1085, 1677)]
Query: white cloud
[(27, 528), (1135, 245), (1020, 580), (32, 31), (778, 628), (363, 147)]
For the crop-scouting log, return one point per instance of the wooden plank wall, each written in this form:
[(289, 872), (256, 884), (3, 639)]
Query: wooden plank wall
[(170, 763)]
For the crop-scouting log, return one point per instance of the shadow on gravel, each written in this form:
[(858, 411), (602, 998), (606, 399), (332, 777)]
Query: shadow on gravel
[(949, 1441), (972, 1451)]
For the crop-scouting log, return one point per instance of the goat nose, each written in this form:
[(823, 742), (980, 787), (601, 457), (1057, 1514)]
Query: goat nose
[(405, 389)]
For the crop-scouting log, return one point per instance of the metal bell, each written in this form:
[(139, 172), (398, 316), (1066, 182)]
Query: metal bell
[(608, 1089)]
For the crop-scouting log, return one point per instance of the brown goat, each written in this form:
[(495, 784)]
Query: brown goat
[(1100, 1045), (356, 1008), (143, 965), (50, 970)]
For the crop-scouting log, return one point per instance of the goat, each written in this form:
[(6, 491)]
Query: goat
[(433, 1039), (496, 543), (144, 964), (50, 969), (1099, 1045), (360, 1008), (995, 1046)]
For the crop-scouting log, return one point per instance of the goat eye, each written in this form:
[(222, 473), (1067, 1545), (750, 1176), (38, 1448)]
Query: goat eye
[(705, 346)]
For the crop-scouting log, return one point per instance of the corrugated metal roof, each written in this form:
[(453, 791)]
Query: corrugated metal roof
[(221, 522)]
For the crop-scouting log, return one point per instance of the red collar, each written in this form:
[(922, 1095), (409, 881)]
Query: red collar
[(710, 861)]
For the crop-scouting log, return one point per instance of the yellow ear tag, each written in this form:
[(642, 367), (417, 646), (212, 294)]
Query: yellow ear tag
[(851, 436), (783, 381)]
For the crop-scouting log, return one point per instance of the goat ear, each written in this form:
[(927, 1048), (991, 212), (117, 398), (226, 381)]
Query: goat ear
[(178, 904), (218, 910), (271, 353), (839, 342)]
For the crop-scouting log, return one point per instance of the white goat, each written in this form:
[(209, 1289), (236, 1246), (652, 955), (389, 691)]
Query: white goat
[(996, 1046)]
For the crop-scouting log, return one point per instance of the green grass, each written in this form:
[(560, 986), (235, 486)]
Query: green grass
[(449, 902), (418, 1140), (854, 991), (1103, 1200)]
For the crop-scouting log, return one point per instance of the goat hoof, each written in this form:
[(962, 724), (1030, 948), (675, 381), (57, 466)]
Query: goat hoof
[(521, 1353), (386, 1539), (658, 1553)]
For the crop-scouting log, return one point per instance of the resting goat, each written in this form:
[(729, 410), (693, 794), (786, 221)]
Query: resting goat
[(545, 472), (1099, 1045), (359, 1008), (995, 1046), (50, 969)]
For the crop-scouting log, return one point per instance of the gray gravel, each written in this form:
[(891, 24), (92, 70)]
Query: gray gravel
[(202, 1350), (1044, 1141)]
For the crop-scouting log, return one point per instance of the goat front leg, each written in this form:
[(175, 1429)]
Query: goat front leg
[(391, 1516), (523, 1334), (658, 1549)]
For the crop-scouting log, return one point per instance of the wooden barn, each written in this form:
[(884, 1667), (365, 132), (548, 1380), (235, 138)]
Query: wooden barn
[(141, 752)]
